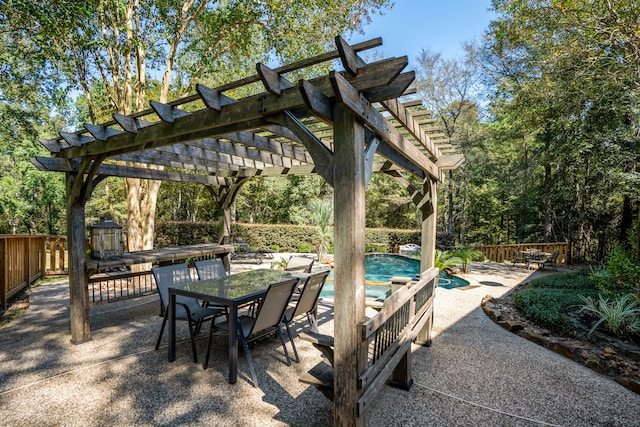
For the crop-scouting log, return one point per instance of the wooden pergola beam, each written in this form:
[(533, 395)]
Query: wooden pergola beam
[(62, 165)]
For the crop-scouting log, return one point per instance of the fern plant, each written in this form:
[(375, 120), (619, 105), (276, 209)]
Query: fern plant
[(621, 316)]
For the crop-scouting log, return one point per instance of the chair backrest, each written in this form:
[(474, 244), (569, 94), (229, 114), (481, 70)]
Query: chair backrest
[(271, 309), (309, 295), (243, 245), (210, 268), (299, 263), (168, 276)]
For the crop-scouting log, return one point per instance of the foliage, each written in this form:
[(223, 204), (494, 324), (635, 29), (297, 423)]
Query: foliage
[(303, 248), (322, 217), (445, 260), (550, 300), (388, 204), (621, 316), (111, 51), (625, 271), (466, 255)]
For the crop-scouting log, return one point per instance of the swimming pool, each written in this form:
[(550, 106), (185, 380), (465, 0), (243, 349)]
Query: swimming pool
[(380, 268)]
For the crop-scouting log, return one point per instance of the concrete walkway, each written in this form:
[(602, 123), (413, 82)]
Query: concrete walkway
[(475, 373)]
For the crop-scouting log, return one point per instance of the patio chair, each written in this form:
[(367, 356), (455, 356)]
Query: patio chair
[(300, 263), (519, 257), (187, 309), (267, 320), (552, 261), (306, 304), (246, 253), (210, 268)]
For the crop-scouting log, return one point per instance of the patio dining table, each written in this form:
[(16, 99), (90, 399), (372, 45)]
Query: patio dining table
[(231, 291), (535, 256)]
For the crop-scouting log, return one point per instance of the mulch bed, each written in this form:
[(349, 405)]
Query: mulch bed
[(605, 354)]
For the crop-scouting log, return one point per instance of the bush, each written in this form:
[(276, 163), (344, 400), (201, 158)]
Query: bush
[(624, 271), (304, 248), (285, 236), (549, 301)]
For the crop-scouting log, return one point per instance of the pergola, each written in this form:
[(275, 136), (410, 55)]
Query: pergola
[(344, 126)]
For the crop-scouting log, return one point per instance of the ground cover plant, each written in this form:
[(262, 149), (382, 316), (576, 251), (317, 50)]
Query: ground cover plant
[(555, 301), (575, 305)]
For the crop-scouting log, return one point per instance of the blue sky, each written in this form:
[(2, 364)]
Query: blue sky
[(439, 25)]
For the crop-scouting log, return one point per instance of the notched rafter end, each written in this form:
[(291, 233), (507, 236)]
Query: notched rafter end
[(75, 139), (395, 89), (167, 113), (316, 101), (50, 144), (101, 133), (211, 97), (128, 123), (273, 81), (349, 57)]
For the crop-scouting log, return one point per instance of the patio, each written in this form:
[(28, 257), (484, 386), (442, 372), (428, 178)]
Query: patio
[(475, 373)]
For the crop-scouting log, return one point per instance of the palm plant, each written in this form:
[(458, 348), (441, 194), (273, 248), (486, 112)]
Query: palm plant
[(466, 255), (322, 217), (445, 260)]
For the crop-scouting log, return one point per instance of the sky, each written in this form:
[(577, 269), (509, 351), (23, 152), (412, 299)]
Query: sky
[(439, 25)]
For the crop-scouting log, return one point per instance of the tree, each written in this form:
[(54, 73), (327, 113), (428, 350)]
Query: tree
[(115, 47), (445, 87), (568, 72)]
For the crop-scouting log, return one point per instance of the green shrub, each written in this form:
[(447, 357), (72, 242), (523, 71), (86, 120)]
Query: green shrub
[(549, 301), (625, 272), (446, 259), (275, 248), (286, 236), (304, 248)]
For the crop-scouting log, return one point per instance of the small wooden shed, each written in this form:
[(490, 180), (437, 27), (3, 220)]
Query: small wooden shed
[(344, 126)]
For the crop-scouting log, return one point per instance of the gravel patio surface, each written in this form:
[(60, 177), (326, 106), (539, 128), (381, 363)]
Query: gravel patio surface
[(475, 373)]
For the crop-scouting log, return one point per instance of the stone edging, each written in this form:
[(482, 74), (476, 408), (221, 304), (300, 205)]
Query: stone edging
[(612, 361)]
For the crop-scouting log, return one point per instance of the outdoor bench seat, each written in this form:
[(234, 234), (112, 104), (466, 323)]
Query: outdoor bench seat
[(321, 375)]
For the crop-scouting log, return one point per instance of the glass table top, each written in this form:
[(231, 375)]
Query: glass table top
[(235, 286)]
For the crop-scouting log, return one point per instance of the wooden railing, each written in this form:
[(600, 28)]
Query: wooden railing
[(406, 316), (502, 253), (388, 336), (104, 288), (22, 261), (57, 262)]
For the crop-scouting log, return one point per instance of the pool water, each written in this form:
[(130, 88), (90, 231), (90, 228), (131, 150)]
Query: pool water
[(380, 268)]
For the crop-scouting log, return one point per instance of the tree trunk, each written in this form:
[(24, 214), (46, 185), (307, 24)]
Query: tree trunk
[(450, 189), (626, 223), (463, 221), (548, 223)]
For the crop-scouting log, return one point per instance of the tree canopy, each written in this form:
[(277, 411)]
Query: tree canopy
[(545, 109)]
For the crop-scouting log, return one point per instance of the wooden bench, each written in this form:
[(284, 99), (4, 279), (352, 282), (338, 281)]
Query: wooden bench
[(321, 375), (406, 316)]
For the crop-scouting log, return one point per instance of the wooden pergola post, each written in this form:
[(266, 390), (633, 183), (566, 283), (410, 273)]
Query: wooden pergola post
[(429, 225), (349, 219), (428, 244), (78, 277)]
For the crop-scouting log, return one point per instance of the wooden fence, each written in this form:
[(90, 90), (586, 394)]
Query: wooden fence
[(502, 253), (22, 261), (57, 257)]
